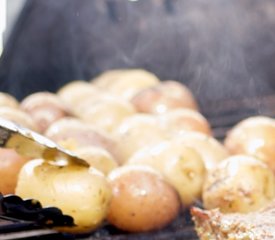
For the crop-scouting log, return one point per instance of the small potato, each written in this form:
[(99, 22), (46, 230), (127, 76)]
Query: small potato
[(44, 108), (75, 92), (10, 164), (107, 113), (98, 158), (7, 100), (72, 134), (78, 191), (254, 136), (180, 165), (211, 151), (125, 83), (240, 183), (164, 97), (142, 200), (19, 117), (178, 121), (136, 132)]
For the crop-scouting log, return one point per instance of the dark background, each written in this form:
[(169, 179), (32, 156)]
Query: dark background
[(223, 50)]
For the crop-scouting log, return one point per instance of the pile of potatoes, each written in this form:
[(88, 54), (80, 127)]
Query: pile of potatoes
[(150, 152)]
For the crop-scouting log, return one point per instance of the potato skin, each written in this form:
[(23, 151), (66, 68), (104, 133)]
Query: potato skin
[(240, 183), (7, 100), (253, 136), (164, 97), (10, 164), (142, 200), (180, 165), (78, 191)]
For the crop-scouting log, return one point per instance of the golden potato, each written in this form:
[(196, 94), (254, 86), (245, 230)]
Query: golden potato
[(98, 158), (164, 97), (107, 113), (180, 165), (142, 200), (7, 100), (254, 136), (182, 120), (72, 134), (210, 149), (136, 132), (19, 117), (44, 108), (80, 192), (10, 164), (125, 82), (240, 183)]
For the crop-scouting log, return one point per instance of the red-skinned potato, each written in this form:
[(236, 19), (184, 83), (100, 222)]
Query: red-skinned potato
[(45, 108), (142, 200), (253, 136), (164, 97), (10, 164)]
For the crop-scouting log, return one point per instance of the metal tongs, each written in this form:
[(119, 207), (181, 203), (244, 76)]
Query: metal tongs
[(31, 144)]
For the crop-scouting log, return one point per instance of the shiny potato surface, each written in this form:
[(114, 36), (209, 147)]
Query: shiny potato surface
[(164, 97), (180, 165), (125, 82), (136, 132), (80, 192), (98, 158), (240, 183), (254, 136), (142, 200), (178, 121)]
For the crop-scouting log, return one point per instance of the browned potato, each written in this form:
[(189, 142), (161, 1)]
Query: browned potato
[(19, 117), (98, 158), (7, 100), (10, 165), (125, 82), (164, 97), (136, 132), (78, 191), (180, 165), (210, 149), (240, 183), (44, 108), (72, 134), (179, 121), (107, 113), (254, 136), (142, 200)]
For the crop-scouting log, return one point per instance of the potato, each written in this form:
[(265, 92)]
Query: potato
[(125, 82), (182, 120), (211, 151), (75, 92), (98, 158), (44, 108), (164, 97), (72, 134), (10, 165), (240, 183), (142, 200), (180, 165), (7, 100), (80, 192), (107, 113), (19, 117), (254, 136), (136, 132)]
